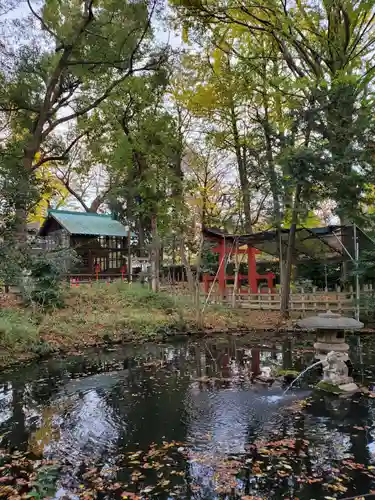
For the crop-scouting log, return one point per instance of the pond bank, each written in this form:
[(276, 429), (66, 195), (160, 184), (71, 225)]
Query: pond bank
[(113, 314)]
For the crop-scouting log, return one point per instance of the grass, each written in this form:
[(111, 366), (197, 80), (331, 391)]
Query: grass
[(17, 329), (112, 313)]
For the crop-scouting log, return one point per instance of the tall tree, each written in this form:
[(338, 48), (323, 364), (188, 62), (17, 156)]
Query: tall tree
[(325, 46), (90, 48)]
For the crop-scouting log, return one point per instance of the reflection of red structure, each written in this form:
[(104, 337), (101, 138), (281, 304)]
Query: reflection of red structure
[(226, 248)]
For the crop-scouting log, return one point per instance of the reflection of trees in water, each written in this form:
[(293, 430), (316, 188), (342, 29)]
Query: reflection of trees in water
[(156, 411), (13, 424), (105, 415)]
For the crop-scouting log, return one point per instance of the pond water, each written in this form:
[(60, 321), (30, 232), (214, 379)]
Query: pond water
[(185, 421)]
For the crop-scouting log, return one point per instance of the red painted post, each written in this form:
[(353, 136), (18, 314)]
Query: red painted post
[(77, 282), (270, 278), (252, 270), (97, 271)]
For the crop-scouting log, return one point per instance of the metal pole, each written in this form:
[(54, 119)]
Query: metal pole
[(129, 256), (356, 258), (281, 262)]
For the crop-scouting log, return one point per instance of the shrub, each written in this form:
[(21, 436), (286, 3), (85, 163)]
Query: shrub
[(42, 283), (17, 328)]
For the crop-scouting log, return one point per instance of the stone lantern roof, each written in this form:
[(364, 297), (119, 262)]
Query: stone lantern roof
[(330, 321)]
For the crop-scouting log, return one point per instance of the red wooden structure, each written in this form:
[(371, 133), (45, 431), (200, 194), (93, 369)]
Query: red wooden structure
[(225, 247)]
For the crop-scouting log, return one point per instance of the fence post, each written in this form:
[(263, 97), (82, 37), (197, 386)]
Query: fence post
[(259, 298), (339, 298), (338, 290), (314, 295), (303, 301), (270, 299)]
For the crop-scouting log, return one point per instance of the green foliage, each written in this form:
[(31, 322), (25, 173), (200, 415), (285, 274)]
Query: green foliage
[(44, 485), (210, 261), (367, 307), (17, 329), (330, 388), (141, 150), (143, 296), (316, 272), (43, 283), (366, 266)]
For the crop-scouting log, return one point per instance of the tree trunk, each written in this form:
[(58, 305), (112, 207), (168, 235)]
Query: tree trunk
[(274, 190), (285, 291), (241, 165), (141, 237), (185, 263), (155, 281)]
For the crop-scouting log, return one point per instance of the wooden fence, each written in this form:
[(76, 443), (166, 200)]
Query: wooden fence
[(342, 301)]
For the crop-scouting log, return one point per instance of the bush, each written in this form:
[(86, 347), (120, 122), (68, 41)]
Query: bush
[(16, 328), (42, 283)]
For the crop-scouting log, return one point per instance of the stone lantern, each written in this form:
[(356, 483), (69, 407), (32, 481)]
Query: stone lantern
[(331, 348)]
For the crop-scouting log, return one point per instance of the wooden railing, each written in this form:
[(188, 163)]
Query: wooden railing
[(302, 301), (102, 277)]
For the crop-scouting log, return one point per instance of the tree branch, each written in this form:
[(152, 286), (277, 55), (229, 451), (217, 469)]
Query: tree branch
[(61, 157), (152, 65), (99, 200), (66, 184), (260, 208), (38, 135), (42, 22)]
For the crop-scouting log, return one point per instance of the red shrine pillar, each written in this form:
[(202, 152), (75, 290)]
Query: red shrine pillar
[(252, 270), (222, 266)]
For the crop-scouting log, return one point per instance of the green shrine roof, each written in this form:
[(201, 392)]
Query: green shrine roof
[(85, 223)]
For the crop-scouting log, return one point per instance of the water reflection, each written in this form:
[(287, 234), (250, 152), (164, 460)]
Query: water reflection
[(224, 434)]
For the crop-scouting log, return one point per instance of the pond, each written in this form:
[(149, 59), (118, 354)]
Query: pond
[(183, 421)]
